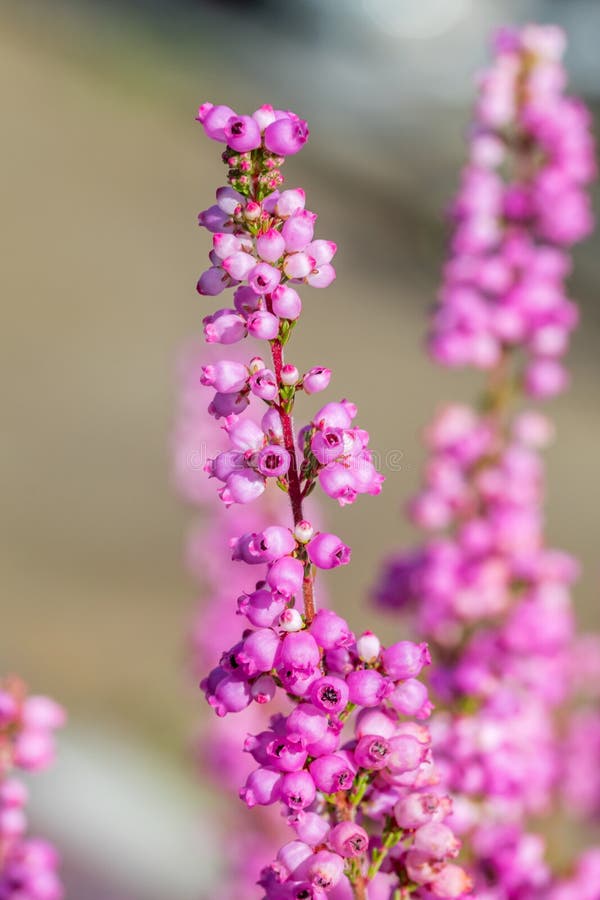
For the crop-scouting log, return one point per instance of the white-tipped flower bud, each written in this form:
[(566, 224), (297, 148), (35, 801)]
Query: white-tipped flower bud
[(368, 647), (256, 364), (290, 375), (290, 620), (303, 532)]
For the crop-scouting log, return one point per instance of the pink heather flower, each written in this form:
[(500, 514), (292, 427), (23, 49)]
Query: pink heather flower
[(372, 752), (213, 281), (299, 652), (417, 809), (263, 278), (349, 839), (273, 461), (405, 659), (227, 377), (298, 790), (285, 576), (437, 840), (329, 694), (332, 773), (330, 631), (325, 869), (316, 379), (285, 137), (327, 551), (226, 326), (242, 133), (367, 687), (262, 787), (215, 121), (310, 828), (263, 325)]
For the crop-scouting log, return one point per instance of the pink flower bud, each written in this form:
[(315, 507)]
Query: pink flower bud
[(226, 326), (451, 882), (330, 630), (410, 698), (263, 787), (298, 231), (232, 694), (316, 379), (405, 659), (212, 282), (285, 576), (257, 653), (286, 302), (416, 809), (261, 608), (310, 827), (322, 251), (437, 840), (226, 245), (367, 687), (299, 651), (270, 245), (263, 116), (242, 487), (298, 265), (263, 325), (321, 276), (290, 202), (239, 264), (293, 854)]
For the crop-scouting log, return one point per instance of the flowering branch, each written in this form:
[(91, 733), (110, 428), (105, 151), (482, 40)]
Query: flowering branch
[(486, 592), (354, 778)]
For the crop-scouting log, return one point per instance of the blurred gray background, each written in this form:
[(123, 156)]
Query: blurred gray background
[(103, 172)]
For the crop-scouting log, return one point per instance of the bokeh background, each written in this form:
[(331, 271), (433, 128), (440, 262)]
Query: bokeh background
[(103, 171)]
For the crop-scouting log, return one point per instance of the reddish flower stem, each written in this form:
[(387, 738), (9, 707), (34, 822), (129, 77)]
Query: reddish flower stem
[(295, 490)]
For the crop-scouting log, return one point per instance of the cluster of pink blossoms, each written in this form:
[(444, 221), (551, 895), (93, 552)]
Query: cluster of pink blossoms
[(28, 866), (492, 599), (354, 777), (522, 200)]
